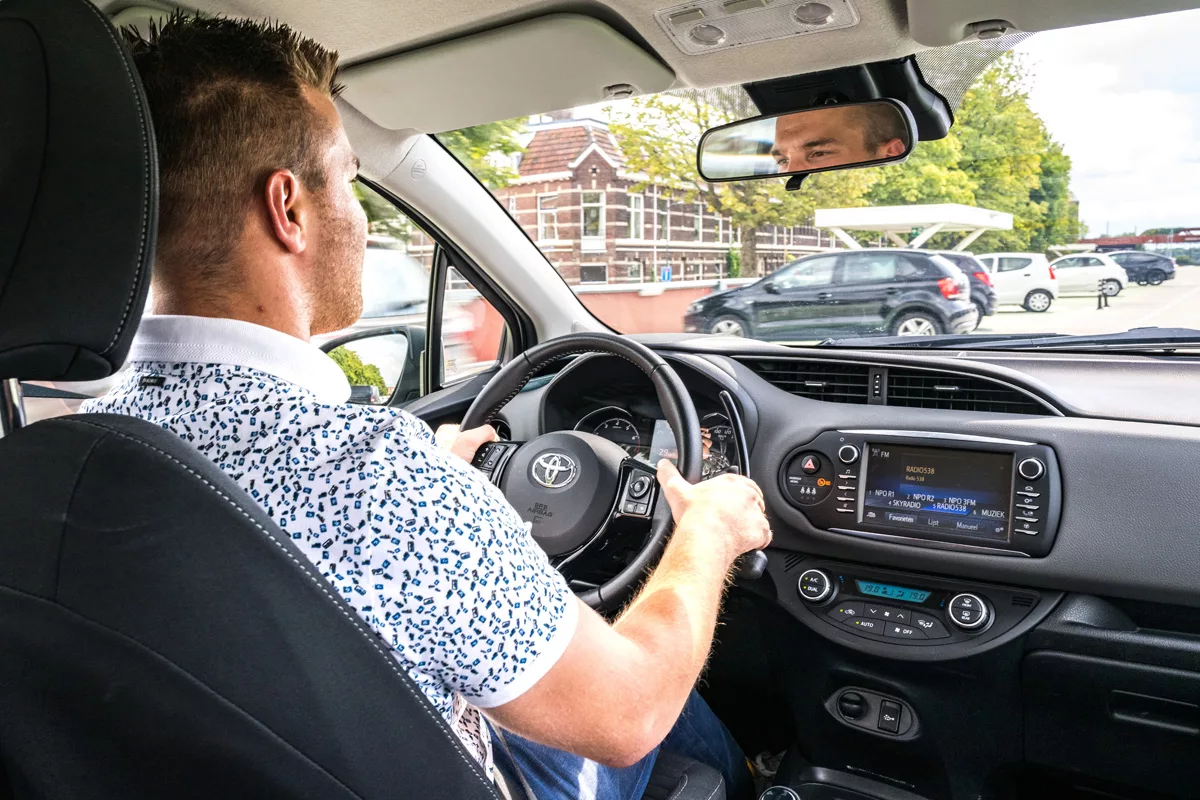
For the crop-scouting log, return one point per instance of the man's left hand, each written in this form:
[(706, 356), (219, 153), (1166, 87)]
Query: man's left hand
[(464, 443)]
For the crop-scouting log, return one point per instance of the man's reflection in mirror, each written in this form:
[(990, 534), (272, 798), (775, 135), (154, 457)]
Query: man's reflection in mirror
[(831, 137)]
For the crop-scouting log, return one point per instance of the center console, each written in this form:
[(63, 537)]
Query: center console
[(926, 489)]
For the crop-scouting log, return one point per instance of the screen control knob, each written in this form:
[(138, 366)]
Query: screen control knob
[(814, 586), (1031, 469), (969, 612), (779, 793), (848, 454)]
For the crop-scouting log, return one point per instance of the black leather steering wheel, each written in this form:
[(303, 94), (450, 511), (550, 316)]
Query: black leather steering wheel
[(573, 487)]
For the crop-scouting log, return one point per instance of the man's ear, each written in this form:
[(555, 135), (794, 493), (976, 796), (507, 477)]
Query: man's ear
[(286, 211), (892, 149)]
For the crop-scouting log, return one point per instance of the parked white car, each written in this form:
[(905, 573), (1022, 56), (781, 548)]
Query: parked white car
[(1089, 273), (1022, 279)]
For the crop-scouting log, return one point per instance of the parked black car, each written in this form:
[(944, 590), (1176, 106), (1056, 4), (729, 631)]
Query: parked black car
[(894, 292), (983, 294), (1143, 267)]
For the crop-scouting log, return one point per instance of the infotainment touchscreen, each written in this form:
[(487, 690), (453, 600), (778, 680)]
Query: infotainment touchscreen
[(934, 490)]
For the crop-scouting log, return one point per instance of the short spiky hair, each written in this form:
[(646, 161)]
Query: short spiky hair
[(226, 97)]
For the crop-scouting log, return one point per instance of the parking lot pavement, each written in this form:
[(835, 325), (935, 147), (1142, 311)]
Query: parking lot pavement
[(1174, 304)]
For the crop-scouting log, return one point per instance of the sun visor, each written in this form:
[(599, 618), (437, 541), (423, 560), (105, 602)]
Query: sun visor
[(545, 64), (936, 23)]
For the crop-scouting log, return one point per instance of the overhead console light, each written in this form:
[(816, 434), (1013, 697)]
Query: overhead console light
[(707, 26)]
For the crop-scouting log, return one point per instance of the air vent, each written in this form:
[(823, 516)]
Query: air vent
[(791, 561), (817, 380), (1023, 601), (957, 392)]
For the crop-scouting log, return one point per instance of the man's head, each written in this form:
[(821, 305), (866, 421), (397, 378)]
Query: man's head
[(836, 136), (257, 208)]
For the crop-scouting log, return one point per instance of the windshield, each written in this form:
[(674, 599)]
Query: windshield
[(1056, 205)]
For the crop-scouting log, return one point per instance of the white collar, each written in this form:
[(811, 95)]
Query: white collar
[(207, 340)]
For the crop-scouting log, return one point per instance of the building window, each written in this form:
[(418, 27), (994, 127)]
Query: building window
[(512, 204), (664, 218), (634, 271), (637, 216), (547, 219), (593, 273), (592, 205), (698, 230)]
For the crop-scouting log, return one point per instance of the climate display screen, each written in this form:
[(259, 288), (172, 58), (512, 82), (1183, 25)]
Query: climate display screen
[(892, 592), (935, 490)]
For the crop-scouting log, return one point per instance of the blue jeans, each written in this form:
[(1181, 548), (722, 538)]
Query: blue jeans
[(557, 775)]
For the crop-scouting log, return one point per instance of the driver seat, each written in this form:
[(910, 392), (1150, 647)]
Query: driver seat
[(159, 635)]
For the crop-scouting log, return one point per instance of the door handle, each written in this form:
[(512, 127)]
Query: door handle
[(893, 290), (824, 295), (1026, 274)]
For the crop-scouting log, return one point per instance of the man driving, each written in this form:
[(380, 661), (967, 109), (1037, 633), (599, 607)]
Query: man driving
[(833, 137), (260, 247)]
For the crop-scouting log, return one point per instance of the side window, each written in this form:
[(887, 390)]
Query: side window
[(805, 275), (472, 331), (1091, 261), (1013, 264), (870, 268), (1069, 263)]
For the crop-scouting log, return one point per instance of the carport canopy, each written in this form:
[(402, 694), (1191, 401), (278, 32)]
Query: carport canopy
[(921, 222)]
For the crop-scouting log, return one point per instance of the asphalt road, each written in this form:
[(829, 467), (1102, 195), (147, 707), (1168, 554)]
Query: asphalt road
[(1174, 304)]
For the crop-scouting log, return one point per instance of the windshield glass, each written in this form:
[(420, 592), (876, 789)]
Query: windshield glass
[(1056, 205)]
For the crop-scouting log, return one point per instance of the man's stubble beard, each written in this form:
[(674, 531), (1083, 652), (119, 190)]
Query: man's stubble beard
[(337, 300)]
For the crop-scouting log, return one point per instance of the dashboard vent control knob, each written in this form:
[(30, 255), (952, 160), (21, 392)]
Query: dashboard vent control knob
[(814, 586), (969, 611), (848, 454), (779, 793), (1031, 469), (852, 705)]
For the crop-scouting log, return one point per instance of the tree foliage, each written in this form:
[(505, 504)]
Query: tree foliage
[(485, 149), (358, 373)]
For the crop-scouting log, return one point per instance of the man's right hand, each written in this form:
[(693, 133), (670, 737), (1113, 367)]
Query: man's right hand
[(729, 509)]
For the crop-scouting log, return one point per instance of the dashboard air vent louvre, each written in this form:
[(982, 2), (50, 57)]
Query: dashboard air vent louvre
[(828, 381), (957, 392), (1023, 600), (791, 560)]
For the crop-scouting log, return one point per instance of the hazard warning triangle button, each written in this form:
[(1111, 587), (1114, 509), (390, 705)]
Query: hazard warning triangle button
[(810, 465)]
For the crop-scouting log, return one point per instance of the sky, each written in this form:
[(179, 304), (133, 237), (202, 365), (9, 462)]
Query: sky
[(1123, 98)]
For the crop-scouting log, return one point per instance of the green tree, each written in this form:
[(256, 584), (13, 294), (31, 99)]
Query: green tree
[(659, 135), (383, 218), (932, 174), (482, 148), (358, 373)]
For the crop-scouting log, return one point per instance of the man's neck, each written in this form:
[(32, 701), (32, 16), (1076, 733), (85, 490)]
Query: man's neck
[(278, 310)]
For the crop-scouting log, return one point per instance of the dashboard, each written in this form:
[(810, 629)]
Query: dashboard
[(945, 522)]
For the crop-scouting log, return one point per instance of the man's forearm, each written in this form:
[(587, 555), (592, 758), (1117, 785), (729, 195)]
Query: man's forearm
[(672, 620)]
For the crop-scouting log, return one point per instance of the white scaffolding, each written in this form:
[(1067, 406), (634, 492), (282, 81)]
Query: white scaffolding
[(919, 222)]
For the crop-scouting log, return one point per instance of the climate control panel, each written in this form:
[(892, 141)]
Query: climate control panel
[(903, 614)]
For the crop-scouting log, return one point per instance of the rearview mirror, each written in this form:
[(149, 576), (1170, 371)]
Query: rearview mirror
[(813, 140), (382, 364)]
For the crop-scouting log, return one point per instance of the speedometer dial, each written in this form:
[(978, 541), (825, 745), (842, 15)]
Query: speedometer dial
[(621, 431)]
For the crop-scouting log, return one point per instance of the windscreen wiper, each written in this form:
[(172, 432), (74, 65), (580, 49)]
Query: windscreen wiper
[(1134, 339)]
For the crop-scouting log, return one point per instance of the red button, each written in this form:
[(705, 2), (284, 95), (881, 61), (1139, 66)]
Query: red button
[(810, 465)]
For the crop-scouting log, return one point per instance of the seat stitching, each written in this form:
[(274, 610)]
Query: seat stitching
[(323, 585), (718, 787), (149, 167), (194, 679)]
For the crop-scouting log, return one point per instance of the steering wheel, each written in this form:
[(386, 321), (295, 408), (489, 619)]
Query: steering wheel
[(574, 487)]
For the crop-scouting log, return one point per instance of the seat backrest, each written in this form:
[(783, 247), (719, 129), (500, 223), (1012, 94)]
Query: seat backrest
[(159, 635)]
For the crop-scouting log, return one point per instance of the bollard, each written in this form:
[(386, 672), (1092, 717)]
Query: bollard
[(1101, 297)]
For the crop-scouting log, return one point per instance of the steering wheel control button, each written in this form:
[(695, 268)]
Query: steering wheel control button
[(931, 627), (968, 612), (639, 487), (849, 609), (1031, 469), (889, 716), (852, 705), (848, 454), (815, 586), (808, 479), (895, 631)]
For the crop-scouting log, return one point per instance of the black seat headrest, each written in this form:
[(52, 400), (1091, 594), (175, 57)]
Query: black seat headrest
[(78, 192)]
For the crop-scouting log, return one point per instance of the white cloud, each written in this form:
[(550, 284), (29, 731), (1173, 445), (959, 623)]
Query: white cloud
[(1124, 100)]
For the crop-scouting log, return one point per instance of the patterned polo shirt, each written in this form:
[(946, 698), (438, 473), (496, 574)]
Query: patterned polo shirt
[(426, 550)]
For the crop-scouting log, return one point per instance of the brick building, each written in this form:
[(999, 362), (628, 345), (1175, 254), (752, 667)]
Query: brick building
[(599, 223)]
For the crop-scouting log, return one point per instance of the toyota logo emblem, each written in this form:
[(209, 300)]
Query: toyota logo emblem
[(554, 470)]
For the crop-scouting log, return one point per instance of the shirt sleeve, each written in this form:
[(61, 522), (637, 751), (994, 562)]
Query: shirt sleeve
[(484, 611)]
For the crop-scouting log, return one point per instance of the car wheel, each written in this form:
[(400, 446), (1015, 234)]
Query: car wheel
[(1038, 301), (982, 313), (1156, 277), (728, 326), (1110, 288), (917, 323)]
